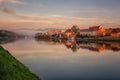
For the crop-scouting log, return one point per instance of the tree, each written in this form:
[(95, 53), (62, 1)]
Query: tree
[(75, 28)]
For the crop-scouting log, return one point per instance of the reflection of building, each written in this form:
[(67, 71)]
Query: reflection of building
[(71, 45), (68, 44), (115, 46), (93, 31), (75, 45), (99, 47), (92, 46)]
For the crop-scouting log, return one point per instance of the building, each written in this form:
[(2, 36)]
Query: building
[(108, 31), (87, 32), (68, 33), (93, 31), (115, 33), (55, 31)]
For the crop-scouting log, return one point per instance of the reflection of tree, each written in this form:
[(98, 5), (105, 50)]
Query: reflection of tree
[(4, 41), (74, 48), (71, 44), (8, 36)]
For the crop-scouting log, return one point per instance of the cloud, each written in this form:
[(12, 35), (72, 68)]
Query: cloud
[(52, 20), (30, 17), (13, 2), (7, 10), (110, 24), (92, 11), (14, 13)]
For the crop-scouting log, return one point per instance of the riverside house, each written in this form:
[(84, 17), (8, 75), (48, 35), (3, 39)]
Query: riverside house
[(115, 33), (69, 34), (93, 31), (51, 32)]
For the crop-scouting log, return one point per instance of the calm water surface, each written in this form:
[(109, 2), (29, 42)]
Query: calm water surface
[(58, 61)]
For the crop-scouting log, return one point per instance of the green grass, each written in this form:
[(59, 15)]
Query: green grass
[(12, 69)]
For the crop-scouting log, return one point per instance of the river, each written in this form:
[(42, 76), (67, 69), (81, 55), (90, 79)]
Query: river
[(68, 61)]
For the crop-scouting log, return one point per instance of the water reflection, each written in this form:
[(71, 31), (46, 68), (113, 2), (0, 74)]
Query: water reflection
[(54, 60), (12, 39), (76, 45), (5, 41), (92, 46)]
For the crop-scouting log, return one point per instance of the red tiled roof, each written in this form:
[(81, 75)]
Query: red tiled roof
[(68, 30), (95, 28), (53, 32)]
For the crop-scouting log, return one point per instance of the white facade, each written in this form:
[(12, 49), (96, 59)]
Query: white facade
[(91, 33)]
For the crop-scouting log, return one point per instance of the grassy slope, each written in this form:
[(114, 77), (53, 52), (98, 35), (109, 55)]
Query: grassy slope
[(12, 69)]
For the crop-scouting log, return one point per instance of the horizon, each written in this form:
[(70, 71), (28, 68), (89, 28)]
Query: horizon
[(62, 14)]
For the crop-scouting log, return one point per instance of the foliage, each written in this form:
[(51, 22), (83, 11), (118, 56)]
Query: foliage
[(12, 69), (75, 28)]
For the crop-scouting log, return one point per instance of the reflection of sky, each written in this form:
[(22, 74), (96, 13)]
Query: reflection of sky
[(56, 62), (59, 13)]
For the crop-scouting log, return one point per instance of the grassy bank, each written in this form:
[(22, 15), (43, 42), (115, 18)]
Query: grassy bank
[(12, 69)]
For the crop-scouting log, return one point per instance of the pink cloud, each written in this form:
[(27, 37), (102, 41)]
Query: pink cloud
[(51, 20), (7, 10), (13, 2)]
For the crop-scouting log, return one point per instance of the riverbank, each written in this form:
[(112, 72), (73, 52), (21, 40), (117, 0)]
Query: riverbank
[(98, 39), (12, 69), (85, 39)]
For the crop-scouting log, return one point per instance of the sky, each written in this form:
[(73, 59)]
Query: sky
[(36, 14)]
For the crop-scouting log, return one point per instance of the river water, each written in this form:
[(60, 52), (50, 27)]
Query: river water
[(68, 60)]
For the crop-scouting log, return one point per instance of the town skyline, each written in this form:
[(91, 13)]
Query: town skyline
[(36, 14)]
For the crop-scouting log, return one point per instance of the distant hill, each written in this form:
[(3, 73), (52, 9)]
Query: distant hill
[(8, 36)]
